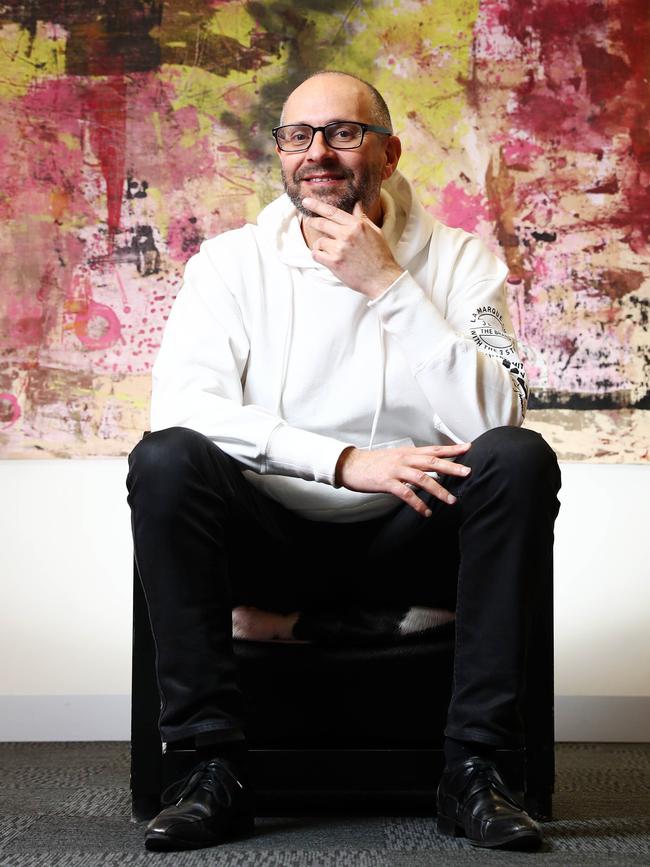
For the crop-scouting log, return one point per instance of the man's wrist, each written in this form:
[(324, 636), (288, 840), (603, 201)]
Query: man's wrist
[(384, 281), (339, 465)]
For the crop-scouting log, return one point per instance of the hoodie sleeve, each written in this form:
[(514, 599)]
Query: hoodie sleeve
[(466, 362), (197, 383)]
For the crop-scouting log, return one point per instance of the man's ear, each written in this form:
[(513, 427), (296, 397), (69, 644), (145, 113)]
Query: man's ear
[(393, 153)]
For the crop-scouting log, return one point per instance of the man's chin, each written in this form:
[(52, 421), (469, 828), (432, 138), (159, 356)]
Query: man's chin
[(302, 209), (344, 203)]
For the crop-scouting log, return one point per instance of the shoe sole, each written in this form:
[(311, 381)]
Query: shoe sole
[(524, 842), (159, 841)]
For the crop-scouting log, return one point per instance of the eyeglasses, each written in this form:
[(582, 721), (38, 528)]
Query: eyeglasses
[(340, 134)]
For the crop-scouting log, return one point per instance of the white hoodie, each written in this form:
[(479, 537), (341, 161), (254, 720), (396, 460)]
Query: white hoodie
[(283, 366)]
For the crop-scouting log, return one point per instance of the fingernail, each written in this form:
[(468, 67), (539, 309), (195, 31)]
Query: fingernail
[(465, 470), (451, 498), (428, 513)]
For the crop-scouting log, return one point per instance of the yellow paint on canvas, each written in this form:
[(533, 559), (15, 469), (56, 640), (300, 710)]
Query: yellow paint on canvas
[(232, 20), (417, 55), (25, 60), (70, 141)]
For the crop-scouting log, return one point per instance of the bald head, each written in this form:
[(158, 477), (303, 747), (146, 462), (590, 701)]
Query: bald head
[(368, 98)]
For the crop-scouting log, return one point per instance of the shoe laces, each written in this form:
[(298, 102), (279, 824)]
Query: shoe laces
[(486, 776), (206, 775)]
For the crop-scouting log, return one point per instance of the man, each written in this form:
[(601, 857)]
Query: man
[(346, 302)]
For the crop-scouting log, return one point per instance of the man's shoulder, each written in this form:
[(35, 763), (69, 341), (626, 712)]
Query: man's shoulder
[(232, 250), (466, 253), (455, 238), (230, 239)]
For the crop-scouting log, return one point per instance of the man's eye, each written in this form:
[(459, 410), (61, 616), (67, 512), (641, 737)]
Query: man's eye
[(298, 136), (344, 133)]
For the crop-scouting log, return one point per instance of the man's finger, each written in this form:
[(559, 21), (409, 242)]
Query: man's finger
[(456, 448), (322, 247), (416, 502), (329, 211), (326, 227), (447, 468)]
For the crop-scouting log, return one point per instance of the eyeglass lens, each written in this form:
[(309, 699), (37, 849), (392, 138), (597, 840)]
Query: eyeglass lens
[(338, 135)]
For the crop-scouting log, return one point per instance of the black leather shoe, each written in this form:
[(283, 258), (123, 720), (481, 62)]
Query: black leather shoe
[(474, 802), (207, 807)]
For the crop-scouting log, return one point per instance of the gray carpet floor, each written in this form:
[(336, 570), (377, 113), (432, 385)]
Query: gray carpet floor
[(68, 805)]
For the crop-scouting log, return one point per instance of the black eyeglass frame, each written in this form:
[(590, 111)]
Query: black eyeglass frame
[(365, 127)]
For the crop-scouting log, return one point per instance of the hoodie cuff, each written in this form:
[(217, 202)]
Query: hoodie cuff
[(292, 451), (405, 311)]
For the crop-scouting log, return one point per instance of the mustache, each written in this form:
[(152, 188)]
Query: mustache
[(306, 173)]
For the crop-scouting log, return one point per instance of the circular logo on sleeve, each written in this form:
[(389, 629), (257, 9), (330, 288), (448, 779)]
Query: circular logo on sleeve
[(488, 332)]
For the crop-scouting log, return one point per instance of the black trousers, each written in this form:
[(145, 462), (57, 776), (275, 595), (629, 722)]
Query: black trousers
[(206, 541)]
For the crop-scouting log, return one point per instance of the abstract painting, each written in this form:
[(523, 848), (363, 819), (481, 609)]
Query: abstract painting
[(132, 131)]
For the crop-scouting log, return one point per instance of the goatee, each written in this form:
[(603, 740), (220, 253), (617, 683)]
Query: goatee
[(346, 200)]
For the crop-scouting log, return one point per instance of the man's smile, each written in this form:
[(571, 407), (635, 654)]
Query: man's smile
[(323, 179)]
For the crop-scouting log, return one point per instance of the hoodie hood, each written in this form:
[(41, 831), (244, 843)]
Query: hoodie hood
[(407, 227)]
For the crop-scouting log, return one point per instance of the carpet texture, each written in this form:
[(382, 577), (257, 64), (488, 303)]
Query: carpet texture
[(68, 805)]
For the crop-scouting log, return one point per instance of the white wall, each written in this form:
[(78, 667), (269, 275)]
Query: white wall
[(66, 595)]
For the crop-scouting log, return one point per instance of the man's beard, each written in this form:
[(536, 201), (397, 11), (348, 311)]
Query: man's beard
[(365, 190)]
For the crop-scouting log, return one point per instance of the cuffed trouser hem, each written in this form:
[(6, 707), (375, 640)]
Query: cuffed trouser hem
[(482, 737), (204, 735)]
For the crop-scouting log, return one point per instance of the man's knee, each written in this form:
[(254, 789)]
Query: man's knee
[(159, 450), (164, 461), (520, 452)]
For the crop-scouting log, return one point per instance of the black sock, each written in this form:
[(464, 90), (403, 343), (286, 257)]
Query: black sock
[(458, 751), (235, 751)]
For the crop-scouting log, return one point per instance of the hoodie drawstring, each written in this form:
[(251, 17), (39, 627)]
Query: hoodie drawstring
[(380, 384)]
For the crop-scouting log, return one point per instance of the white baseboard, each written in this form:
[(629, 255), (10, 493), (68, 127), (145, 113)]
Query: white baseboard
[(623, 719), (608, 718), (65, 717)]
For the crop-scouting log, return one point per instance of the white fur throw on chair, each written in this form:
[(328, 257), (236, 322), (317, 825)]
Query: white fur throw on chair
[(338, 625)]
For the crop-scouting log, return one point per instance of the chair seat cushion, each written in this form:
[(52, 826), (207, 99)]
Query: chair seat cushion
[(308, 695)]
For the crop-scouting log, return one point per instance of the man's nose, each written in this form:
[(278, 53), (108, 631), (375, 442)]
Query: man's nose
[(319, 146)]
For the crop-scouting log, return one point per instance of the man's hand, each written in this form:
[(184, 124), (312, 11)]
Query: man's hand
[(391, 470), (352, 247)]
